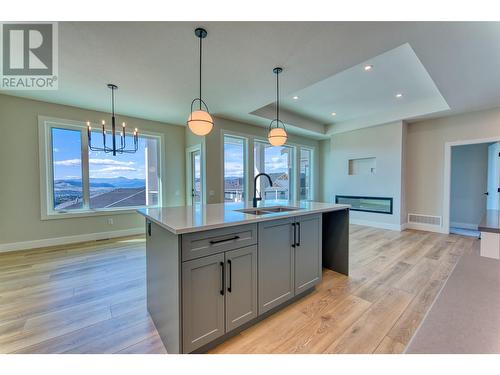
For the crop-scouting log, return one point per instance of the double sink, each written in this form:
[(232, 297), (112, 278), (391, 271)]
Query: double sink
[(268, 210)]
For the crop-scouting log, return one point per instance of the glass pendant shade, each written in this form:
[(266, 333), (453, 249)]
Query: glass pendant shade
[(277, 136), (200, 122)]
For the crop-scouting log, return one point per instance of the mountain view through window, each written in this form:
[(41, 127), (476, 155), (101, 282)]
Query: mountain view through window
[(124, 180)]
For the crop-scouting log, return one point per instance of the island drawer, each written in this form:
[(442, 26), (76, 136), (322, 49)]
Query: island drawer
[(200, 244)]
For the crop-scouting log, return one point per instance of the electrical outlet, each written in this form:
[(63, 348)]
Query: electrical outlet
[(110, 221)]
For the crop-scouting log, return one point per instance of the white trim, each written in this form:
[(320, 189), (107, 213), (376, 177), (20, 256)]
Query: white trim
[(377, 224), (470, 226), (313, 175), (426, 227), (25, 245), (189, 173), (45, 124), (447, 175), (246, 156)]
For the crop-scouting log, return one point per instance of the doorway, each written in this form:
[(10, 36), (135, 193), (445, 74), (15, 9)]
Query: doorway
[(194, 184), (474, 182)]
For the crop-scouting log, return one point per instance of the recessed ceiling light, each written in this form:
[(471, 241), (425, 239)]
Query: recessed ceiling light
[(399, 95), (295, 97), (368, 67), (334, 113)]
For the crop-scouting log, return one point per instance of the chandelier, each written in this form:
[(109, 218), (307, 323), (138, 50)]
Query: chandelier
[(115, 148)]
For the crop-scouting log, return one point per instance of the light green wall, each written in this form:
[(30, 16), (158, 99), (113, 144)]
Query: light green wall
[(325, 171), (214, 149), (20, 175), (383, 142), (425, 154)]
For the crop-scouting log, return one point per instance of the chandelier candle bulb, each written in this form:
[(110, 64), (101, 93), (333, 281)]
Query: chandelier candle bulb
[(89, 131)]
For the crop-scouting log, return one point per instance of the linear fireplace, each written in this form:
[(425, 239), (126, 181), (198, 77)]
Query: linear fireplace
[(380, 205)]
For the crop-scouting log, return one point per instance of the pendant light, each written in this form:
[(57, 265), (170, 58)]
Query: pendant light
[(277, 133), (200, 122), (114, 149)]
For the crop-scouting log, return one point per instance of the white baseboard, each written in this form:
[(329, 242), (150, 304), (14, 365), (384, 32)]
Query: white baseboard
[(426, 227), (24, 245), (377, 224), (463, 225)]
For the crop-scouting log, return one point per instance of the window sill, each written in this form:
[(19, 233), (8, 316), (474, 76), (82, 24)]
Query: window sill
[(90, 213)]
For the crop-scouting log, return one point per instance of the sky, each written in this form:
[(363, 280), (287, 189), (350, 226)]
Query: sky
[(67, 160), (275, 161), (66, 147)]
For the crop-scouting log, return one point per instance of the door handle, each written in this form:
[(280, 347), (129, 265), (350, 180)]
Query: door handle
[(224, 240), (149, 228), (222, 278), (294, 235), (230, 275), (298, 241)]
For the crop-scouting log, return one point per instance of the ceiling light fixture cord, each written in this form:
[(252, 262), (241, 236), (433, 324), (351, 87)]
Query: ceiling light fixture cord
[(201, 40), (277, 95), (113, 102)]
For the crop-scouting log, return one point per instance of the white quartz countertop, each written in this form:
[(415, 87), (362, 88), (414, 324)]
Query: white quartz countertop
[(196, 218)]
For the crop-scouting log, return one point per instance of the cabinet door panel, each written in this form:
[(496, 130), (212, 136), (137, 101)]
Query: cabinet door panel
[(308, 252), (202, 301), (276, 263), (241, 286)]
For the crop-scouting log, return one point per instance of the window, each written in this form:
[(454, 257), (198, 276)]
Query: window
[(79, 180), (195, 181), (234, 168), (278, 163), (67, 169), (305, 174)]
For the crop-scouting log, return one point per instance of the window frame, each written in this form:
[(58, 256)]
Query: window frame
[(45, 126), (189, 173), (294, 191), (250, 163), (246, 168), (312, 185)]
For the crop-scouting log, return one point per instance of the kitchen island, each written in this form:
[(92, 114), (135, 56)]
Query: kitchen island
[(214, 270)]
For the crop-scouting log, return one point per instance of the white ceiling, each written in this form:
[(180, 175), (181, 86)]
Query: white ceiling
[(361, 98), (155, 65)]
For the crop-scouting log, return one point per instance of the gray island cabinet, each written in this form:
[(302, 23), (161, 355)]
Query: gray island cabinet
[(213, 271)]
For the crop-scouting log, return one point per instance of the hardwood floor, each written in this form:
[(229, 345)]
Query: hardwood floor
[(90, 298)]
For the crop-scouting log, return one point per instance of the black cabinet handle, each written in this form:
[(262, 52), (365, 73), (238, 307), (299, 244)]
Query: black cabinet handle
[(149, 228), (224, 240), (230, 275), (298, 241), (222, 278), (294, 235)]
